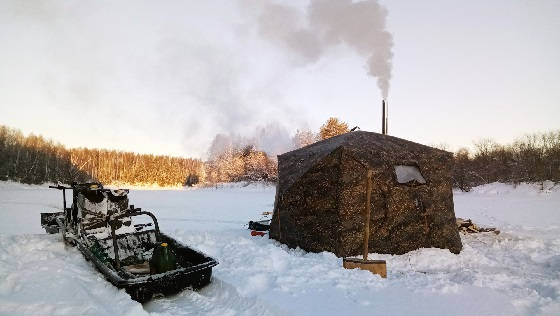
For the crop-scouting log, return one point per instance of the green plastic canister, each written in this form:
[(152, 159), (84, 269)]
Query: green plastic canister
[(163, 259)]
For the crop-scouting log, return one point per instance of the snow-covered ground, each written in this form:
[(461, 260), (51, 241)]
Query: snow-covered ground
[(515, 272)]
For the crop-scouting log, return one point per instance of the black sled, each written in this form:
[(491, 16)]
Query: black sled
[(99, 224)]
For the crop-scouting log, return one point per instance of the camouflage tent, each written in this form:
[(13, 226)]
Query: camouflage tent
[(321, 196)]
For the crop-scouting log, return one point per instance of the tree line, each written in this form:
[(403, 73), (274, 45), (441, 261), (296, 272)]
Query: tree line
[(234, 164), (533, 158), (33, 159), (231, 162)]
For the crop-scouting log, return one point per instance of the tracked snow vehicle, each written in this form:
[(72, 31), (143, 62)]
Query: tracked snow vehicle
[(136, 257)]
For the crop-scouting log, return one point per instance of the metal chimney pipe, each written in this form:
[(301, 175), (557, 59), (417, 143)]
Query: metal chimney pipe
[(386, 117), (383, 119)]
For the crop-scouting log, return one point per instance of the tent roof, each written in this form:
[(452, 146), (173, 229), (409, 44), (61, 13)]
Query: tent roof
[(294, 164)]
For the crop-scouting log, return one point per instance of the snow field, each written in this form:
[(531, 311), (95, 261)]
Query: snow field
[(514, 273), (40, 276)]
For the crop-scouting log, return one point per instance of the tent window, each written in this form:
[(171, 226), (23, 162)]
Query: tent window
[(409, 174)]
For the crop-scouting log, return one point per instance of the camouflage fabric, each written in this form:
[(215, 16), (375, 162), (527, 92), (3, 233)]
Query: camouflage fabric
[(95, 205), (321, 197)]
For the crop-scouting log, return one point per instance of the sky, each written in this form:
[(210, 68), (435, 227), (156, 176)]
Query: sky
[(165, 77)]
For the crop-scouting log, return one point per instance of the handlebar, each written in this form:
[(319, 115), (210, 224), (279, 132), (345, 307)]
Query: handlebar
[(78, 186), (59, 187)]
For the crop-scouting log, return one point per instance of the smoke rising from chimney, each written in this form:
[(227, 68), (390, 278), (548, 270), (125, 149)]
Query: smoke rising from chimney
[(327, 23), (183, 70)]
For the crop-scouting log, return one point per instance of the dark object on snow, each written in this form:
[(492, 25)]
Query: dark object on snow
[(321, 196), (467, 226), (192, 179), (260, 225), (163, 259), (48, 222), (257, 233), (99, 224)]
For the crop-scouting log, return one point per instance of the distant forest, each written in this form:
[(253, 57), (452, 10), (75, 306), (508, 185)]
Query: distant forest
[(533, 158), (33, 159)]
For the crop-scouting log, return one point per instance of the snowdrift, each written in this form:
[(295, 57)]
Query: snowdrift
[(514, 273)]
